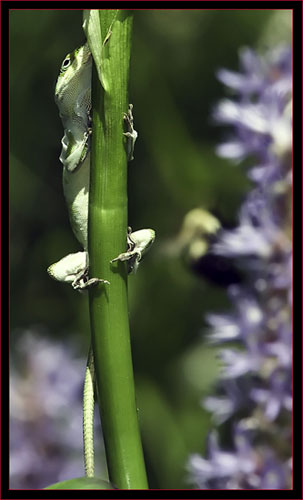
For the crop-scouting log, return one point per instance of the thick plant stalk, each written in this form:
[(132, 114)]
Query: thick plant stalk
[(109, 35)]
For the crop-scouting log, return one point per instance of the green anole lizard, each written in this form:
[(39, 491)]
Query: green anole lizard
[(73, 98)]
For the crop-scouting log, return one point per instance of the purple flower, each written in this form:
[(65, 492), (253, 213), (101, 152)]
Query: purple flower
[(255, 387), (234, 395), (261, 115), (248, 466), (46, 413), (242, 324), (276, 397)]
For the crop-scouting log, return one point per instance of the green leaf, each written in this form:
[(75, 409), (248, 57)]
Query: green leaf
[(81, 483), (98, 31)]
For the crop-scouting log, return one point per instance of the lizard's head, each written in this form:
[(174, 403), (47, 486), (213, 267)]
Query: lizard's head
[(75, 73)]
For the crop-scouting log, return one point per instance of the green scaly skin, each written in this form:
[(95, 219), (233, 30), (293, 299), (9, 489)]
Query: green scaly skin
[(73, 97)]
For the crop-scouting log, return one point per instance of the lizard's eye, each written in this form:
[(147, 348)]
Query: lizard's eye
[(66, 63)]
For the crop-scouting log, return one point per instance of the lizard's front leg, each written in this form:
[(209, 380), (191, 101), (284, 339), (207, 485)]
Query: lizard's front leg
[(131, 133), (138, 244)]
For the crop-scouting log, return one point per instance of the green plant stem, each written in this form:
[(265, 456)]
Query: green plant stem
[(107, 239)]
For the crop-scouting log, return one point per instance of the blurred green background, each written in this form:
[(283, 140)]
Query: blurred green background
[(174, 89)]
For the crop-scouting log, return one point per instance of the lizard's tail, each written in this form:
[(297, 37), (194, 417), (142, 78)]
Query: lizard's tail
[(88, 416)]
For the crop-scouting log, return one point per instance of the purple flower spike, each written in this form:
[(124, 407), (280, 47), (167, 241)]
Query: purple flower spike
[(255, 387)]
